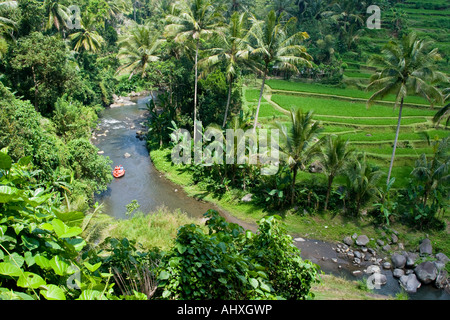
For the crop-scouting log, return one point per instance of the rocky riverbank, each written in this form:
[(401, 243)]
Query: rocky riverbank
[(412, 269)]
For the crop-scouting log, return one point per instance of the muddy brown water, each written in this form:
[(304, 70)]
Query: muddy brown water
[(116, 136)]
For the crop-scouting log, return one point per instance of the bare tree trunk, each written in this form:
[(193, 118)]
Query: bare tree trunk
[(35, 89), (260, 97), (228, 103), (395, 141)]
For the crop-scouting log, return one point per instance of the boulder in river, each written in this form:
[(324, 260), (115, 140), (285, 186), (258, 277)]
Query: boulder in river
[(441, 279), (398, 273), (398, 260), (426, 272), (410, 283)]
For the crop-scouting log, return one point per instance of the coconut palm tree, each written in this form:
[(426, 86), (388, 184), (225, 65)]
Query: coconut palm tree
[(361, 181), (87, 38), (335, 154), (193, 20), (407, 66), (7, 26), (444, 112), (275, 46), (347, 16), (138, 50), (6, 23), (298, 142), (234, 53), (57, 14)]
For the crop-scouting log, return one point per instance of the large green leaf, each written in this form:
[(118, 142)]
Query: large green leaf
[(70, 218), (91, 267), (63, 231), (5, 161), (8, 269), (9, 193), (60, 267), (42, 262), (30, 280), (53, 292), (91, 295)]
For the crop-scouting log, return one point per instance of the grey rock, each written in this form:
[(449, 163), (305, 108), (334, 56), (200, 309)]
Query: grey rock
[(354, 236), (377, 279), (373, 269), (411, 259), (247, 198), (386, 265), (380, 242), (410, 283), (439, 265), (442, 257), (441, 279), (426, 272), (362, 240), (394, 238), (127, 155), (397, 273), (425, 247), (387, 248), (348, 241), (357, 254), (357, 260), (398, 260)]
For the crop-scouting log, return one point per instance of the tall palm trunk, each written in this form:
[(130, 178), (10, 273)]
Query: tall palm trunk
[(195, 89), (230, 88), (330, 182), (260, 97), (295, 169), (395, 142)]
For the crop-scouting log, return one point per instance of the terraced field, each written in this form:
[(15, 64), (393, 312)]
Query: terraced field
[(369, 129), (430, 19)]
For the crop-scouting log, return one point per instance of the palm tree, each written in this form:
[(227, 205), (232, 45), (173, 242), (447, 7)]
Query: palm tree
[(7, 26), (347, 15), (57, 14), (444, 112), (193, 20), (408, 66), (275, 46), (361, 180), (234, 53), (335, 154), (138, 50), (434, 171), (299, 142), (5, 23), (88, 38)]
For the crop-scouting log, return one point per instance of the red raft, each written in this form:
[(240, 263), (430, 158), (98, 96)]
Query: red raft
[(118, 172)]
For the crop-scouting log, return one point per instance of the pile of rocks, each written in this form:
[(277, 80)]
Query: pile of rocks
[(361, 253), (121, 101), (412, 269), (416, 268)]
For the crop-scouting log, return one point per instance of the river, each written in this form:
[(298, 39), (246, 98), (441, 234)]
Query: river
[(116, 136)]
